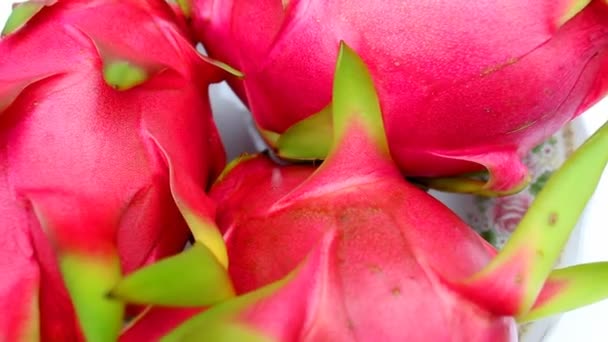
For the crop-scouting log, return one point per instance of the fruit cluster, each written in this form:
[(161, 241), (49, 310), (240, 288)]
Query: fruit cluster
[(122, 221)]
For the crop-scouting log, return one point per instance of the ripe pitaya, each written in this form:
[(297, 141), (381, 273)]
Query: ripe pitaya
[(107, 146), (349, 251), (462, 84)]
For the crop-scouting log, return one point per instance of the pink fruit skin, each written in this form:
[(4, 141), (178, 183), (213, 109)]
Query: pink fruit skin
[(461, 83), (93, 162), (379, 254)]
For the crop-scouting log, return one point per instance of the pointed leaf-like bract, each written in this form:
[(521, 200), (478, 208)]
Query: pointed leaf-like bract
[(355, 98), (222, 331), (202, 228), (465, 185), (222, 66), (507, 174), (20, 15), (191, 278), (123, 75), (89, 268), (568, 289), (185, 6), (224, 312), (88, 281), (308, 139), (573, 9), (527, 259)]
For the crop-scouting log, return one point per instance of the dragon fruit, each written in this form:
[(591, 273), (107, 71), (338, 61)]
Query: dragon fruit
[(350, 251), (107, 147), (464, 85)]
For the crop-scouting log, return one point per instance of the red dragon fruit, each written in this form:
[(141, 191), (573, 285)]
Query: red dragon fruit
[(107, 146), (462, 84), (350, 251)]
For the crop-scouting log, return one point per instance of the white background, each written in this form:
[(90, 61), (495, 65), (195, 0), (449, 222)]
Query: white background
[(589, 324)]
